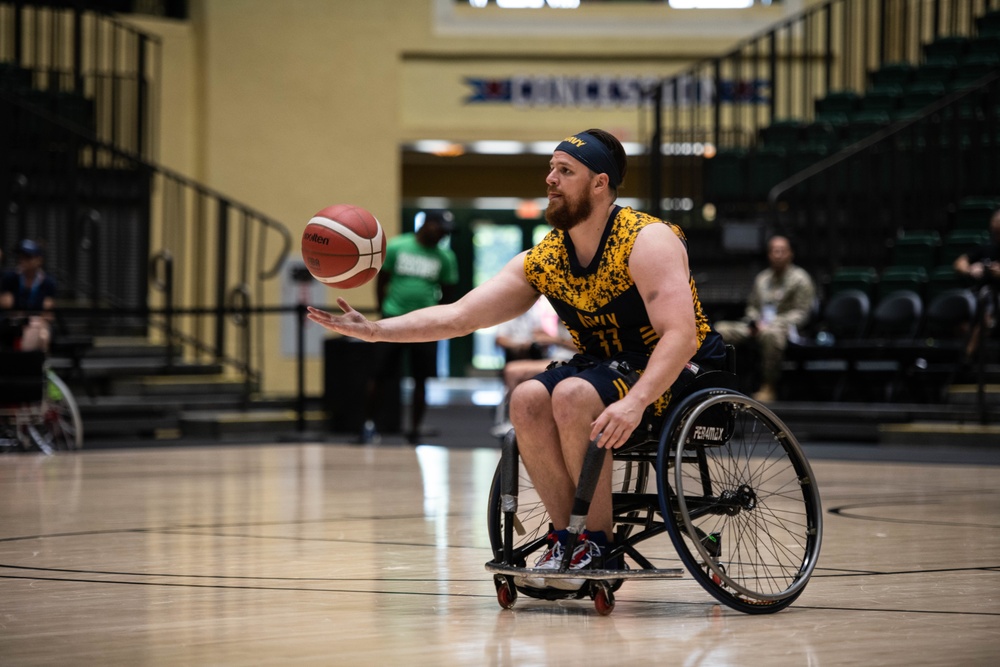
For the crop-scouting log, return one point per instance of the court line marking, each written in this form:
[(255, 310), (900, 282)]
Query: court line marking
[(470, 595)]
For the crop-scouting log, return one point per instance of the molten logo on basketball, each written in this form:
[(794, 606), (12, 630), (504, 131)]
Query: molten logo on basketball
[(313, 237)]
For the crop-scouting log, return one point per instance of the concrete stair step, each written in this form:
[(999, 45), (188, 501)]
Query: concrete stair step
[(179, 385), (131, 427), (861, 421), (936, 433), (133, 346), (222, 424), (968, 394), (159, 417)]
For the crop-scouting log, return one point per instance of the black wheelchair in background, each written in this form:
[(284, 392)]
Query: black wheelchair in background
[(719, 473), (37, 409)]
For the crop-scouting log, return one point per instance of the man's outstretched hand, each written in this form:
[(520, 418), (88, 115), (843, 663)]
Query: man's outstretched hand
[(351, 323)]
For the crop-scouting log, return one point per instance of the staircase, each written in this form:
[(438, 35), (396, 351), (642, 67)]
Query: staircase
[(78, 172), (131, 392)]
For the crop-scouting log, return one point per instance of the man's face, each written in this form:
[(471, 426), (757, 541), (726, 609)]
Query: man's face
[(995, 227), (568, 189), (29, 262), (779, 254), (431, 233)]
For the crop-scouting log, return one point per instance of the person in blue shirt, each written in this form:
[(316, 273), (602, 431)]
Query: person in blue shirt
[(27, 296)]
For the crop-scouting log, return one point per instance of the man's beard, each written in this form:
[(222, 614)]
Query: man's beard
[(568, 214)]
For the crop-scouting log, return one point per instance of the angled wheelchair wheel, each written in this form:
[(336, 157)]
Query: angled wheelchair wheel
[(741, 503), (61, 427), (530, 521)]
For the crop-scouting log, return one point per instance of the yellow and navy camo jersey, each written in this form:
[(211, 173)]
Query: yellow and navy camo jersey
[(600, 304)]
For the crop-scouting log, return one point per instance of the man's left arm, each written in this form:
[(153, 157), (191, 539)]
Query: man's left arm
[(659, 268)]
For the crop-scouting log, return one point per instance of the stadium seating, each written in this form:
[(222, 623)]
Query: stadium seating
[(902, 277), (917, 248), (960, 241), (861, 278), (974, 213)]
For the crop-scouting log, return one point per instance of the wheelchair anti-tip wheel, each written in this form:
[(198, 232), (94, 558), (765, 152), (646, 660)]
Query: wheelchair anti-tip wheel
[(742, 506)]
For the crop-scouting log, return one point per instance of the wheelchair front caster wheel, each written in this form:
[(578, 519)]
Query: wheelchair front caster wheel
[(604, 599), (506, 591)]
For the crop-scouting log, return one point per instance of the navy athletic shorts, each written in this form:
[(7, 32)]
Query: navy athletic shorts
[(612, 379)]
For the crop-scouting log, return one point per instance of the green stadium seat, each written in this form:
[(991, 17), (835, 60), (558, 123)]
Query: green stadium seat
[(824, 132), (860, 278), (921, 94), (897, 73), (989, 31), (14, 78), (916, 248), (960, 241), (784, 134), (988, 22), (937, 69), (768, 167), (805, 156), (863, 124), (974, 213), (725, 175), (954, 46), (840, 101), (883, 97), (897, 278), (835, 119), (985, 44), (974, 67)]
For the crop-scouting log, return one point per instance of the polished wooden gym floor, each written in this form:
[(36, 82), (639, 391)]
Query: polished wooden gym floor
[(328, 554)]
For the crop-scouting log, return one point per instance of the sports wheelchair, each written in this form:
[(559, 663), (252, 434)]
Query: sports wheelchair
[(37, 409), (719, 473)]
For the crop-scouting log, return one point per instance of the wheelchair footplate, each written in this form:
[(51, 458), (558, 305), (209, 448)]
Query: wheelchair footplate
[(599, 584)]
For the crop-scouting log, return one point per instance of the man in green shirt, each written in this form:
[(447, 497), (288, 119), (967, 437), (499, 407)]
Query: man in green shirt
[(417, 273)]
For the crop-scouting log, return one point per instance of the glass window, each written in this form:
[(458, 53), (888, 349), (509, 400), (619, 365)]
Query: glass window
[(493, 246)]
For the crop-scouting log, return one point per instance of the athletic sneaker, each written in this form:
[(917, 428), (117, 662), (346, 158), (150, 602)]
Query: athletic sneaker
[(585, 555)]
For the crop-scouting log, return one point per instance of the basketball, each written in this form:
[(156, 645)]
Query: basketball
[(343, 246)]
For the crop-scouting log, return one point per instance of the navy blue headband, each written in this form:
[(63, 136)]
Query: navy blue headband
[(591, 152)]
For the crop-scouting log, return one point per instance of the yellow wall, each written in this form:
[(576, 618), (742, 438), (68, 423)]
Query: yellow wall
[(294, 105)]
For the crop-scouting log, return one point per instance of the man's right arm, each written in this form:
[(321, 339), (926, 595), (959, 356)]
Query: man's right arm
[(502, 297)]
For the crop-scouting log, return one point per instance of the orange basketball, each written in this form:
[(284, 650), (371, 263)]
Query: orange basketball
[(343, 246)]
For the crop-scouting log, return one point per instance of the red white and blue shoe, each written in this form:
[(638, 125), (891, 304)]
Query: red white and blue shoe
[(586, 554)]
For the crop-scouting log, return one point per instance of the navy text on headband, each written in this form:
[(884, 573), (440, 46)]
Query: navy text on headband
[(587, 149)]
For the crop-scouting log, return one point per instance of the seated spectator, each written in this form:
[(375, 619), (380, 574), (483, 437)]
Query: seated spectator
[(982, 265), (531, 341), (24, 294), (780, 302)]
